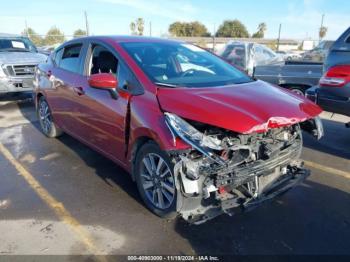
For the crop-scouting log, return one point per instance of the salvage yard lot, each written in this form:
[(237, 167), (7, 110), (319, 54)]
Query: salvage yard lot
[(66, 199)]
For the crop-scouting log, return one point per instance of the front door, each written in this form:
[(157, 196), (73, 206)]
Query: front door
[(102, 117)]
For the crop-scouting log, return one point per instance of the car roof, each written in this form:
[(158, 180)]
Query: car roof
[(128, 38)]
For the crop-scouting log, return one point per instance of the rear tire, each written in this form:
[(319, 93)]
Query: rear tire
[(47, 124), (297, 90), (155, 180)]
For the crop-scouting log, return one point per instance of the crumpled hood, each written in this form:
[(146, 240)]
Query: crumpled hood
[(243, 108), (21, 58)]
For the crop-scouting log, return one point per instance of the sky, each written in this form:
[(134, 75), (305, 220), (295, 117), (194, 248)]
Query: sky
[(300, 19)]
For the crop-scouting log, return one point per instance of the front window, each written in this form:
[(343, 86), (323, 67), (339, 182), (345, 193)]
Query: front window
[(16, 45), (183, 65)]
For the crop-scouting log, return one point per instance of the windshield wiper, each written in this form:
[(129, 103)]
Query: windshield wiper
[(165, 84)]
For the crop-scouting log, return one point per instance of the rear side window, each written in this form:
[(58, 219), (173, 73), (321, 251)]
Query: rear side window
[(56, 57), (348, 40), (70, 59)]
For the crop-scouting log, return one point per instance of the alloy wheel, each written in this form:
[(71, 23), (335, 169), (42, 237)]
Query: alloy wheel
[(45, 116), (157, 181)]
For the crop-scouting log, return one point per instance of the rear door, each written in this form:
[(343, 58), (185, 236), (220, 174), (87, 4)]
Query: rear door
[(62, 76)]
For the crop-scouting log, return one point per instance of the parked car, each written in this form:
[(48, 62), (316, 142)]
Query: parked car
[(319, 53), (18, 59), (247, 55), (199, 137), (333, 91), (262, 63), (289, 56), (296, 76)]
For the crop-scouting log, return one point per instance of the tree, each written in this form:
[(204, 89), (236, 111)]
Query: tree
[(137, 27), (261, 31), (232, 28), (54, 36), (79, 33), (323, 31), (33, 36), (188, 29)]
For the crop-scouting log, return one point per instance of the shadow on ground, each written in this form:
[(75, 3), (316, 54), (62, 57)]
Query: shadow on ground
[(335, 142), (309, 219)]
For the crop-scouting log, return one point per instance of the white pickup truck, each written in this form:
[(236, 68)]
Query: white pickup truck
[(18, 59)]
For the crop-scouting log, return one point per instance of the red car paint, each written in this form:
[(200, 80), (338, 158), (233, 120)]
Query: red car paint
[(244, 108), (114, 127)]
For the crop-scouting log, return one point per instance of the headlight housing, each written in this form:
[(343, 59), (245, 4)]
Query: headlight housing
[(319, 127), (193, 137)]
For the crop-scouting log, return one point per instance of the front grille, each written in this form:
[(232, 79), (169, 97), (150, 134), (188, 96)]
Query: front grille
[(20, 70)]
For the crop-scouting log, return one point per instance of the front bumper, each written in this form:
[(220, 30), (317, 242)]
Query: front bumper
[(294, 176), (9, 85)]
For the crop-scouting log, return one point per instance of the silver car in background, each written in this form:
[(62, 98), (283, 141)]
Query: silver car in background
[(247, 55), (18, 59)]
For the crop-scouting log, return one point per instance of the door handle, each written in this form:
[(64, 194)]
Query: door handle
[(79, 90)]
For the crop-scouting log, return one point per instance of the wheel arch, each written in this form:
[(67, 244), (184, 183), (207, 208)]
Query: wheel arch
[(302, 87), (135, 147), (37, 97)]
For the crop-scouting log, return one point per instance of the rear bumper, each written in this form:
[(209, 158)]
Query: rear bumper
[(335, 102)]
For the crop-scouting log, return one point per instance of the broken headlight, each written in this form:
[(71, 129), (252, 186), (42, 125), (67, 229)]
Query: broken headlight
[(193, 137)]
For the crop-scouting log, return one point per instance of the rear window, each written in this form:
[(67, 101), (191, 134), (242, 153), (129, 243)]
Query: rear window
[(70, 59), (235, 54)]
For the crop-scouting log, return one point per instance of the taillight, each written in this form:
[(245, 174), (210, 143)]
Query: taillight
[(336, 76)]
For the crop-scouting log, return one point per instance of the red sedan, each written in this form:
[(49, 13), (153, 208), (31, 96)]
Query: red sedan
[(199, 137)]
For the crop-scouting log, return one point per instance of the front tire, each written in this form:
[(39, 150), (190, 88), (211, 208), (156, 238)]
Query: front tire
[(155, 180), (47, 124)]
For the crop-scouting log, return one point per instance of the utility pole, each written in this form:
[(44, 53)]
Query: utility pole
[(279, 37), (214, 40), (150, 28), (25, 22), (319, 39), (86, 24)]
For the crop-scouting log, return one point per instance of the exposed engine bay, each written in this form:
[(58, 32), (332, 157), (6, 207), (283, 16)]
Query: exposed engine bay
[(226, 171)]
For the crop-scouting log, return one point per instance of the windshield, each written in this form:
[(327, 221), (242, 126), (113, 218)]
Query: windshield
[(16, 45), (180, 64)]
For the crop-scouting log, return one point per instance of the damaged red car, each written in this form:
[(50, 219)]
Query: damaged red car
[(199, 137)]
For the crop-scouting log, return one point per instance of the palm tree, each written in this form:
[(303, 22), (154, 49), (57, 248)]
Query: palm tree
[(323, 31)]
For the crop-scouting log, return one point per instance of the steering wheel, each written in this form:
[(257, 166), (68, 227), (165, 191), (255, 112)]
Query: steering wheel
[(188, 72)]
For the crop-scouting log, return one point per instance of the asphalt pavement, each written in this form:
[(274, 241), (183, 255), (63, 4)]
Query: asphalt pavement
[(57, 196)]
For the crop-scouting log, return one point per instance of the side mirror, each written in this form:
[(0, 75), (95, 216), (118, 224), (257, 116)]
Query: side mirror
[(103, 81)]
